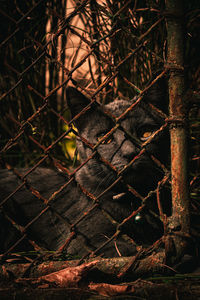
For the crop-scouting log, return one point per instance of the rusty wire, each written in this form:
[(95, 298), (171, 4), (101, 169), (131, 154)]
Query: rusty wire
[(45, 106)]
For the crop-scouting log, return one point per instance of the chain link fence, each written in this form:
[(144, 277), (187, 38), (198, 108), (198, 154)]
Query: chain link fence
[(85, 173)]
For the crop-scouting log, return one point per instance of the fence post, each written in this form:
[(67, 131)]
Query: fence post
[(179, 223)]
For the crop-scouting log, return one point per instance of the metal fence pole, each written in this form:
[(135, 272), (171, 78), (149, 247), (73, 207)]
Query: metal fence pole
[(179, 223)]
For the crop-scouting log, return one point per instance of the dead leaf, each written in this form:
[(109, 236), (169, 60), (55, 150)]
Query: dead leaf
[(106, 289), (68, 277)]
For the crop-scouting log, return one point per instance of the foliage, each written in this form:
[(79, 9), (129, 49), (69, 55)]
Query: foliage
[(125, 42)]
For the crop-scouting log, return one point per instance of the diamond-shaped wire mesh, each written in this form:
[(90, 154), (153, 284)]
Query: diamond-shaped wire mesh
[(86, 173)]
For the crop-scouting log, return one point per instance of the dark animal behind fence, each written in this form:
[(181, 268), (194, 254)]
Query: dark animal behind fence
[(81, 216)]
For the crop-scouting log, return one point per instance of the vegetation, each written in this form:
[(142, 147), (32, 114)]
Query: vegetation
[(108, 49)]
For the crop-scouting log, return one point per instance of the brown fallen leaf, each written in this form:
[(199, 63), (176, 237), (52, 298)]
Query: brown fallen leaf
[(68, 277), (106, 289)]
